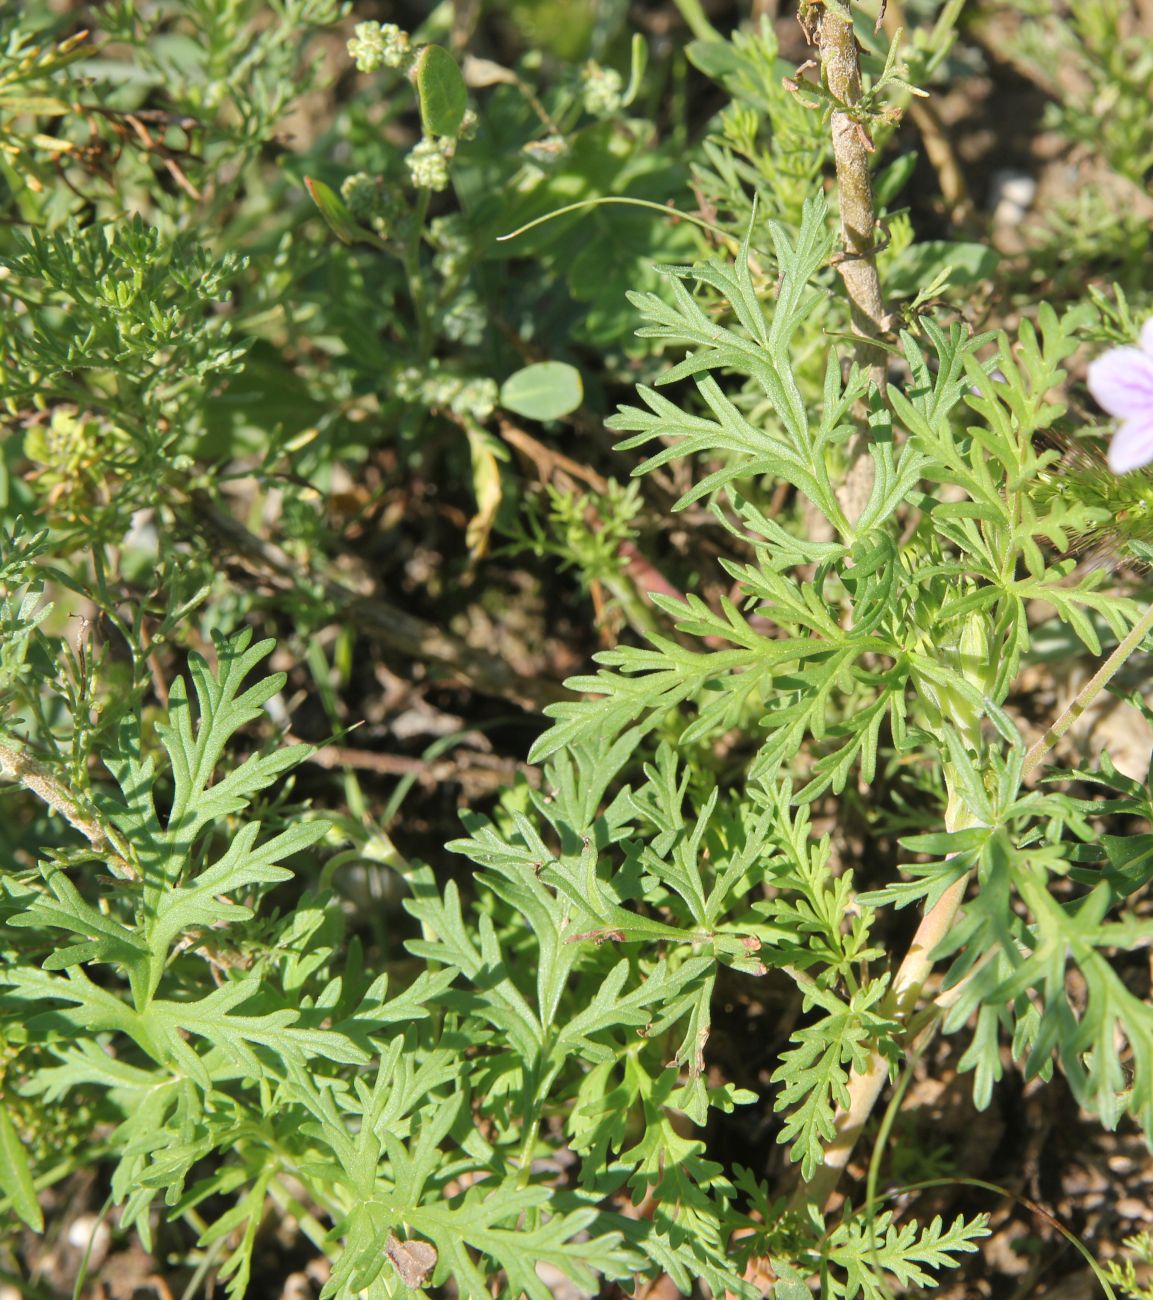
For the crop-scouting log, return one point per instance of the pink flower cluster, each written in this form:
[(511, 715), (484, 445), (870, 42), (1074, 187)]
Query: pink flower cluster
[(1122, 382)]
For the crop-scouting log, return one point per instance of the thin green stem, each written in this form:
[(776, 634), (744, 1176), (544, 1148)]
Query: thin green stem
[(1089, 692), (693, 14), (606, 200), (312, 1228), (639, 615), (533, 1117), (417, 290)]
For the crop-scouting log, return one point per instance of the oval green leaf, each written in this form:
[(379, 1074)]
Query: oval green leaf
[(544, 391), (443, 94)]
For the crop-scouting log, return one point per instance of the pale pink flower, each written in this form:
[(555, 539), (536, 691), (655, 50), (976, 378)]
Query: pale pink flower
[(1122, 382)]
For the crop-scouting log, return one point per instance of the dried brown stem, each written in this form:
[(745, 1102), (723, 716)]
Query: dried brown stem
[(865, 1086), (547, 461), (943, 160), (476, 771), (841, 71), (19, 766), (376, 618)]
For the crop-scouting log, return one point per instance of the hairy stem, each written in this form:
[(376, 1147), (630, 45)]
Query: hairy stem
[(841, 69), (19, 766)]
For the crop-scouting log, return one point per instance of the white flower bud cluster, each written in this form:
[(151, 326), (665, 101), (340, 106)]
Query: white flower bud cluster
[(375, 45), (370, 204), (449, 236), (603, 89), (464, 319), (474, 399), (427, 163), (362, 195)]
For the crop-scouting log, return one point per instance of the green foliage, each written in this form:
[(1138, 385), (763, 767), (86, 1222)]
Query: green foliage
[(137, 306), (865, 1251), (16, 1175), (1123, 1275), (443, 94), (766, 139), (544, 391), (251, 1068), (1113, 59), (259, 381)]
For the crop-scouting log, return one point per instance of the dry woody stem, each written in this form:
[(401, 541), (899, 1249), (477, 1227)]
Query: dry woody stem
[(830, 26), (934, 137), (19, 766), (866, 1086), (841, 71), (374, 617), (852, 148)]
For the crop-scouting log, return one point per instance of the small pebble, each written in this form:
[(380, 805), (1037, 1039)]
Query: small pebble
[(87, 1228), (1011, 194), (1079, 1181), (297, 1287)]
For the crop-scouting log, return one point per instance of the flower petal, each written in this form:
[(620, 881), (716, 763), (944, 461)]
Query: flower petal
[(1132, 445), (1122, 382), (1146, 339)]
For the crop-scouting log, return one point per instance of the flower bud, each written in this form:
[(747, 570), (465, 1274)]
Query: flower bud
[(374, 44)]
